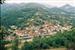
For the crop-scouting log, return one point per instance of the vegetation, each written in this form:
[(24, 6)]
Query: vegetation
[(15, 44), (22, 14), (3, 33), (2, 1), (65, 39)]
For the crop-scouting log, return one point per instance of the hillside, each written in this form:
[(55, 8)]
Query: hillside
[(26, 14)]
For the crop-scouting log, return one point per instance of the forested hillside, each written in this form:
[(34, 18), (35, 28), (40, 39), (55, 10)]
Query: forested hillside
[(26, 14)]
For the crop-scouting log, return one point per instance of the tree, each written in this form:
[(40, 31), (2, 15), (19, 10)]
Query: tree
[(39, 43), (15, 43), (3, 33), (27, 46), (2, 1)]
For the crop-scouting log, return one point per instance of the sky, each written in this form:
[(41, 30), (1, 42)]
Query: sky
[(49, 2)]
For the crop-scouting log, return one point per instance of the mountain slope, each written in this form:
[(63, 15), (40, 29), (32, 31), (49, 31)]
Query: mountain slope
[(68, 8), (23, 15)]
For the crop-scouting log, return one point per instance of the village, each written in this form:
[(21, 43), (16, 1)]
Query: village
[(46, 29)]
